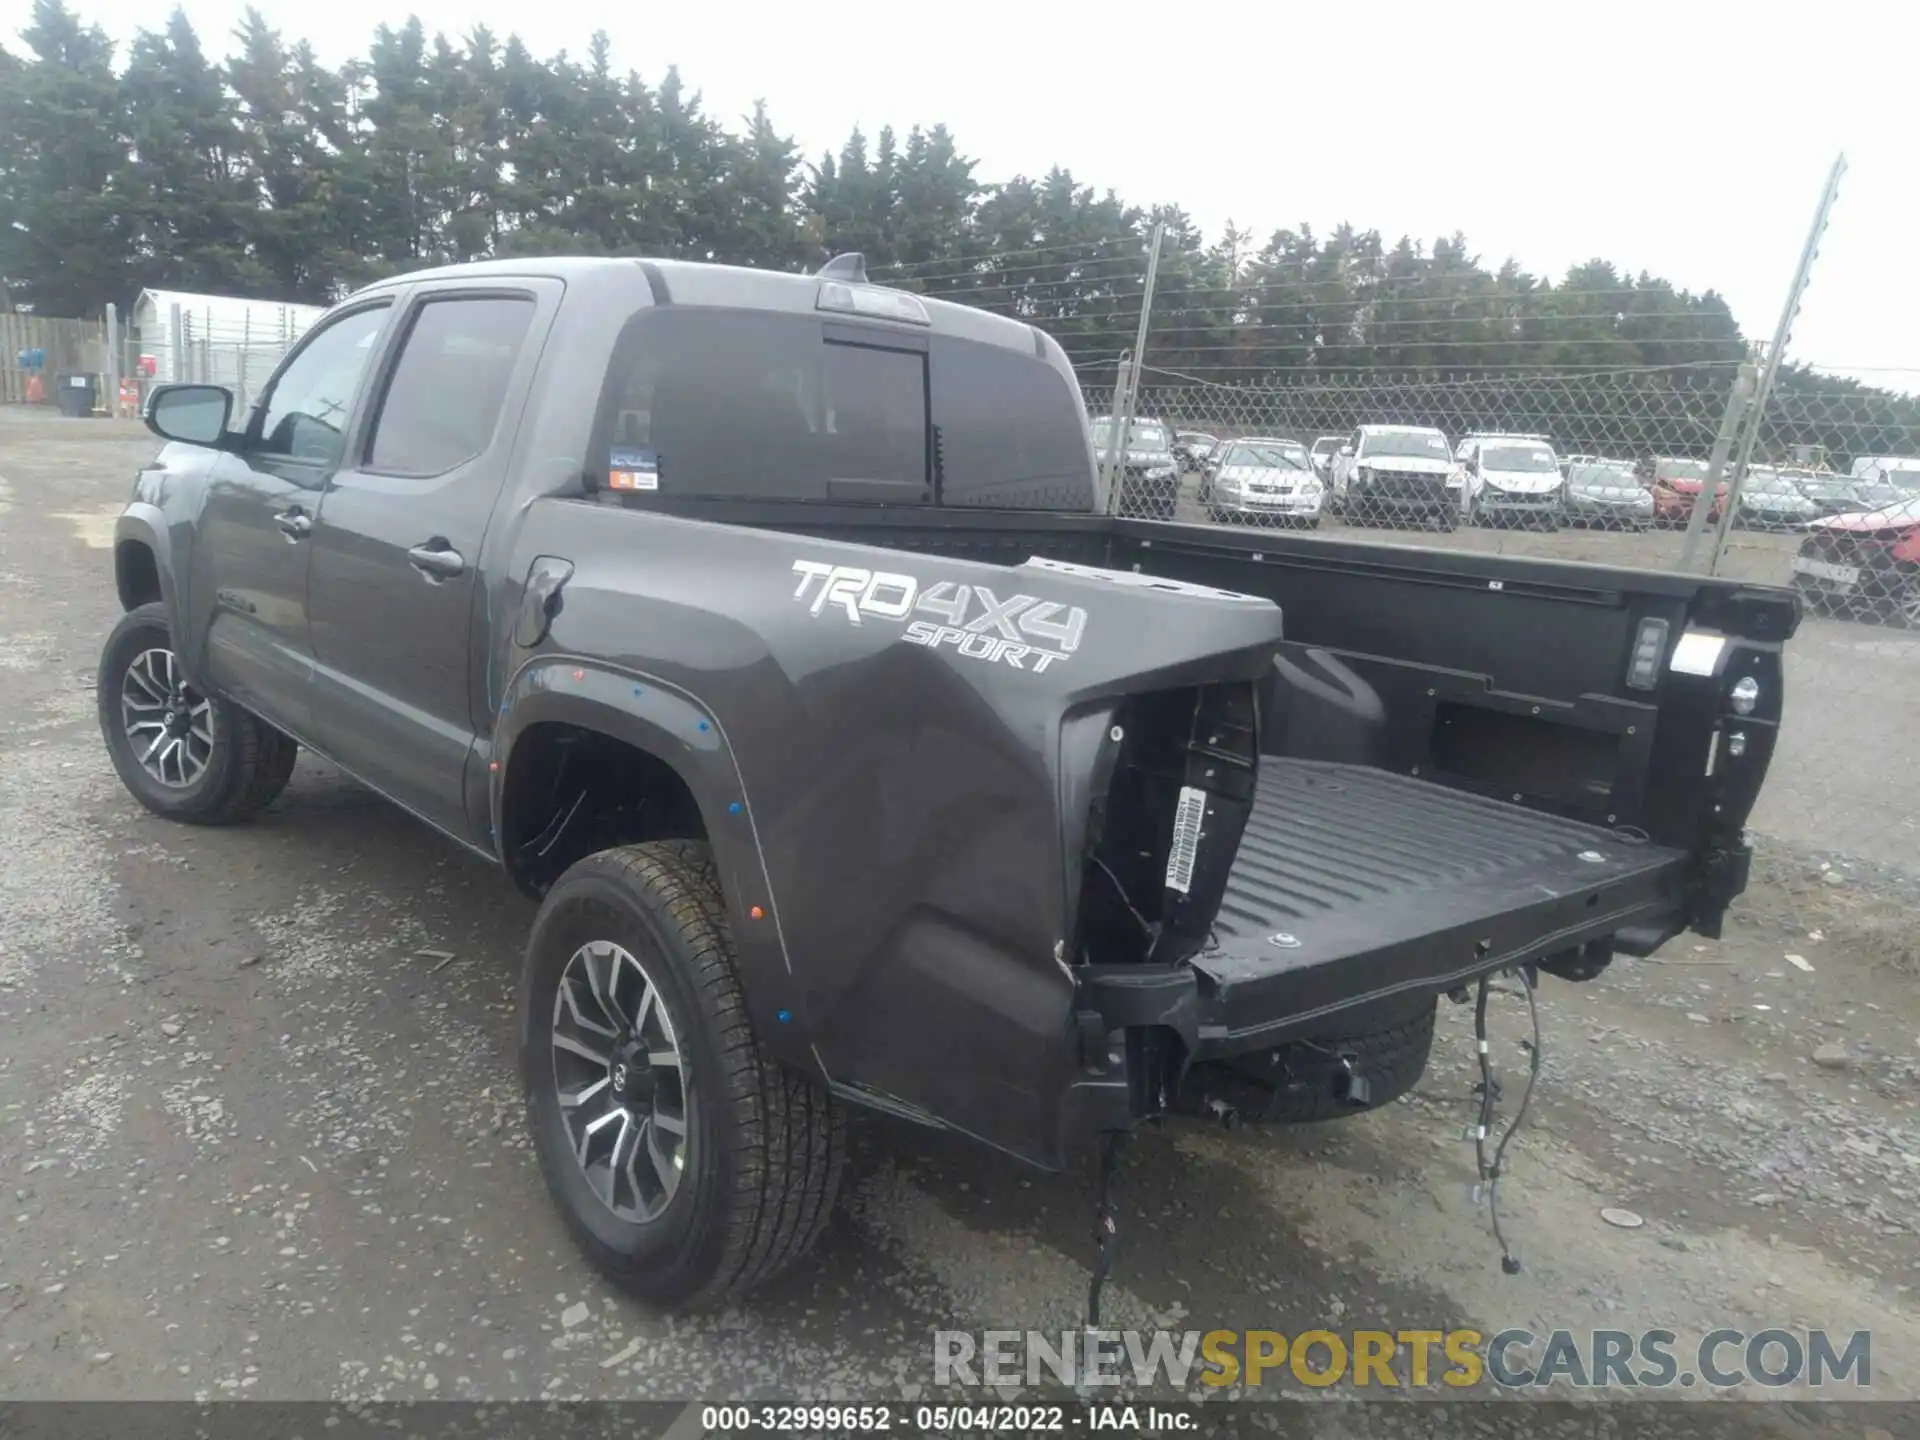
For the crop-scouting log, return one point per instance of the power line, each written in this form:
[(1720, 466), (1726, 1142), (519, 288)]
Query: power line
[(1010, 254), (1390, 325)]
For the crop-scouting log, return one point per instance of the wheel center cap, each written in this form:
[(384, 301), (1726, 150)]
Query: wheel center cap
[(631, 1074)]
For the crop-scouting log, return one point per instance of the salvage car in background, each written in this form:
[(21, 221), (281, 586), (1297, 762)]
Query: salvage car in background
[(1322, 453), (1386, 472), (1193, 448), (1834, 494), (1771, 500), (1607, 493), (1150, 485), (1271, 481), (1509, 479), (1865, 566), (1676, 486)]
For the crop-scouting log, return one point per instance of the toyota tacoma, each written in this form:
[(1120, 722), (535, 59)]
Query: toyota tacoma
[(772, 633)]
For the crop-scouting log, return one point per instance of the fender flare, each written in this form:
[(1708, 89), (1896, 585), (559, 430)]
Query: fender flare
[(144, 524), (685, 735)]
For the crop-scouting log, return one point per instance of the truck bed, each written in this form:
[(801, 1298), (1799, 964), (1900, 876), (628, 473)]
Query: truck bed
[(1352, 884)]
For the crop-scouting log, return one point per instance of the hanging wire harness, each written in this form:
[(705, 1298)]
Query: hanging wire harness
[(1490, 1172)]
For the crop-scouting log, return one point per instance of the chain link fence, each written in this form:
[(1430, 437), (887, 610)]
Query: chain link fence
[(1609, 467), (237, 352)]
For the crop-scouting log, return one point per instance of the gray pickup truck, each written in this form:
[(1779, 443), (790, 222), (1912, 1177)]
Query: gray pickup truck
[(769, 631)]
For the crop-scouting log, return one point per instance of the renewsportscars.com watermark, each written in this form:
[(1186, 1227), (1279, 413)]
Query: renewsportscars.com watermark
[(1655, 1359)]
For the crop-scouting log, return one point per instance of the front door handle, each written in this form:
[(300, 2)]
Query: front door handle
[(436, 559), (295, 524)]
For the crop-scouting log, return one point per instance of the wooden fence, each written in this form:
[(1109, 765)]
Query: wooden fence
[(70, 345)]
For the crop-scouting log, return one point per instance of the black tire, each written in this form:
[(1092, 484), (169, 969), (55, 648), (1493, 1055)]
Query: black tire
[(249, 763), (1446, 521), (764, 1146), (1388, 1044)]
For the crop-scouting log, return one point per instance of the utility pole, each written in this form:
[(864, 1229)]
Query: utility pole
[(1126, 390), (1146, 314), (1738, 401), (1113, 463), (1782, 332)]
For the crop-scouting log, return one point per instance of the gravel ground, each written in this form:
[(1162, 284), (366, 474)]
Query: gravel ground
[(251, 1146)]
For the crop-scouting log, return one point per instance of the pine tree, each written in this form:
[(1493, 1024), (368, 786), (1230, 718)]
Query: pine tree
[(66, 218)]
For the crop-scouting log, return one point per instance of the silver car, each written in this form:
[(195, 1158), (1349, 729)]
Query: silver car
[(1267, 480), (1607, 492)]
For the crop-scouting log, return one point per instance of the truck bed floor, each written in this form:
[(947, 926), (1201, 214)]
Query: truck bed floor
[(1352, 884)]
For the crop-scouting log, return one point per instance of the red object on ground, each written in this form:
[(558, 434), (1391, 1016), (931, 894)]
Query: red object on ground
[(36, 390)]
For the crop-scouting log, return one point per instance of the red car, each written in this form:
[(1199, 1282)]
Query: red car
[(1865, 565), (1676, 486)]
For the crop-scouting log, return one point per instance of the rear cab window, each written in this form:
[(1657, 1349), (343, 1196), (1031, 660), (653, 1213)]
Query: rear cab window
[(714, 403)]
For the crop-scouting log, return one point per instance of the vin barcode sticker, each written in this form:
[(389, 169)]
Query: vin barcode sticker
[(1186, 837)]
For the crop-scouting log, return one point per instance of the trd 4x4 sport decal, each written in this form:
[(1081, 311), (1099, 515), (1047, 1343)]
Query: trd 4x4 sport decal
[(1022, 630)]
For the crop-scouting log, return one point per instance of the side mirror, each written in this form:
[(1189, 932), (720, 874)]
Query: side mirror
[(191, 414)]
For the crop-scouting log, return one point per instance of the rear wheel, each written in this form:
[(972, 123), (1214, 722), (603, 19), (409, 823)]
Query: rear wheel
[(182, 753), (687, 1166)]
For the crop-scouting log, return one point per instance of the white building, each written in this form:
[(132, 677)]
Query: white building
[(216, 339)]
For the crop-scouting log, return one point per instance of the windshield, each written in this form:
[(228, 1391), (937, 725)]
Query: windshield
[(1141, 434), (1680, 469), (1505, 458), (1413, 444), (1907, 480), (1265, 455)]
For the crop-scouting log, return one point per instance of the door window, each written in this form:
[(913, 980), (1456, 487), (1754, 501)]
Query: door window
[(443, 398), (305, 414)]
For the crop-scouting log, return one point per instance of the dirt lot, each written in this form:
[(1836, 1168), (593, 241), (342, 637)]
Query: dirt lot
[(249, 1146)]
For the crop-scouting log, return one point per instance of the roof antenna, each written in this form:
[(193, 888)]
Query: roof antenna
[(851, 267)]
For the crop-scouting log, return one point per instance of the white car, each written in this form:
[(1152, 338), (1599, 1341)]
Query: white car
[(1510, 478), (1388, 471), (1265, 480)]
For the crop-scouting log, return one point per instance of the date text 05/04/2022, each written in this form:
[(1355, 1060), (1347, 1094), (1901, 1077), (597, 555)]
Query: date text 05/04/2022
[(945, 1419)]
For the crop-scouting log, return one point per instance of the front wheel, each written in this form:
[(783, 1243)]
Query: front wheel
[(687, 1166), (193, 757)]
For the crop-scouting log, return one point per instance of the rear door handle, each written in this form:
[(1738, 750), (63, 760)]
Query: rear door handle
[(295, 524), (436, 559)]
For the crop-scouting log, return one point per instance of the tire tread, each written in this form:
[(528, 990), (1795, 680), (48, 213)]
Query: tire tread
[(790, 1143)]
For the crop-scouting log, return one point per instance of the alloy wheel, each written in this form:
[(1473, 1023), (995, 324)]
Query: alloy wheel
[(168, 723), (621, 1080)]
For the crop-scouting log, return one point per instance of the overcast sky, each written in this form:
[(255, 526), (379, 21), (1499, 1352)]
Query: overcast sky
[(1684, 138)]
